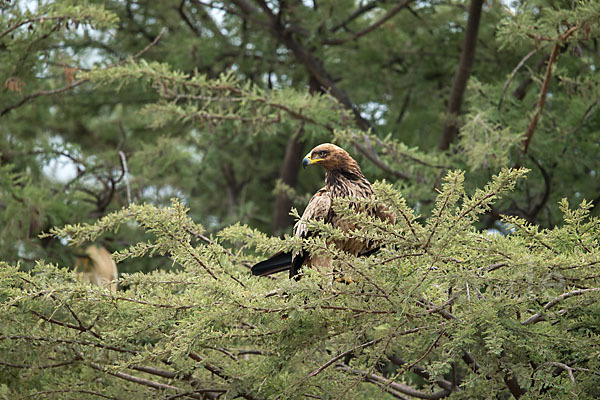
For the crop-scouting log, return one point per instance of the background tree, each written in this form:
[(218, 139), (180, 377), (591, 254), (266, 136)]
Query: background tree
[(110, 104)]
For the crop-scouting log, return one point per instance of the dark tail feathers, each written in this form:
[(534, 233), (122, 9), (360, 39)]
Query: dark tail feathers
[(283, 262), (279, 262)]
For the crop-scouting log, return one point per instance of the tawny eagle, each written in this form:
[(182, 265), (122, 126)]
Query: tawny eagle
[(343, 179)]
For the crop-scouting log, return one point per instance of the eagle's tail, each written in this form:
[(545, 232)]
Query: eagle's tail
[(283, 262), (279, 262)]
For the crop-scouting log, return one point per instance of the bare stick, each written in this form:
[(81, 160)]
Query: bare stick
[(126, 175), (399, 387), (539, 316), (339, 356), (512, 75), (390, 14), (562, 366), (545, 86), (135, 379)]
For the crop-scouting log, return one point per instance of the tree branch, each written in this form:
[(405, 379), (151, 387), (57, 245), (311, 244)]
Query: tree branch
[(126, 175), (399, 387), (422, 372), (341, 355), (390, 14), (138, 380), (356, 14), (536, 208), (462, 75), (80, 328), (80, 342), (25, 366), (544, 90), (512, 75), (38, 394), (560, 366), (209, 393), (217, 371), (539, 316), (512, 384), (312, 64), (368, 151)]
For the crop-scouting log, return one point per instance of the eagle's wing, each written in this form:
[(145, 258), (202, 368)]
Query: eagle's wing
[(318, 208), (385, 214)]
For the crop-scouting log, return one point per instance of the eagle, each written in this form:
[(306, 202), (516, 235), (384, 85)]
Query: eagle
[(343, 179)]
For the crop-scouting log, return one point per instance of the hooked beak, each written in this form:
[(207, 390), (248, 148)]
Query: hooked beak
[(306, 161)]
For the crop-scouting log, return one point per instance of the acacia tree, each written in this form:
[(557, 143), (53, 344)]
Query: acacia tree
[(442, 310)]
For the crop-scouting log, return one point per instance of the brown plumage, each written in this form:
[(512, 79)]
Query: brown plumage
[(343, 178)]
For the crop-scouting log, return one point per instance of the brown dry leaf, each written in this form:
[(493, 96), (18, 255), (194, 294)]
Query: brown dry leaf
[(14, 84)]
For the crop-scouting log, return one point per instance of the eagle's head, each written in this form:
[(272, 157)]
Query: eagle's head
[(330, 157)]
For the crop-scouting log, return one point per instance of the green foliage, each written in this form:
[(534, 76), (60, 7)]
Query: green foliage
[(224, 104), (437, 292), (167, 145)]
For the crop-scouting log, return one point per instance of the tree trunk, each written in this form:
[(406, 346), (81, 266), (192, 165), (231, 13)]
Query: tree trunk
[(288, 175), (232, 191), (462, 75)]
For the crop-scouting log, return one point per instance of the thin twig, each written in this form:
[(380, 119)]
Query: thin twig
[(390, 14), (357, 13), (66, 324), (25, 366), (562, 366), (38, 394), (494, 267), (370, 153), (539, 316), (341, 355), (126, 175), (136, 379), (512, 75), (79, 342), (36, 19), (402, 388)]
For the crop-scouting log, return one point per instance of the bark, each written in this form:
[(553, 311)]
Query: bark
[(542, 99), (513, 386), (462, 75), (545, 85), (233, 190)]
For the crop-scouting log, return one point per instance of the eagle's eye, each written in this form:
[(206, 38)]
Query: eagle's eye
[(322, 154)]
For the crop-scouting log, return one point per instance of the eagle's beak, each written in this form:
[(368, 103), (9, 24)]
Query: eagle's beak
[(306, 161)]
